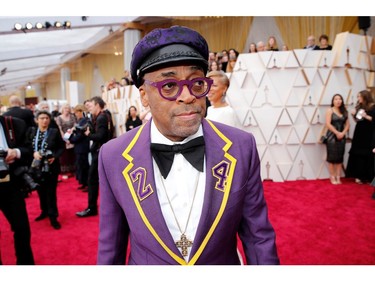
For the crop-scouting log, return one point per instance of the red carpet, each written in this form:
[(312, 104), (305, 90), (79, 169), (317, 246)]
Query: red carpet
[(316, 223)]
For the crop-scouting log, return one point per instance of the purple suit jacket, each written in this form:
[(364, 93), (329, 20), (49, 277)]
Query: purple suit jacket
[(233, 205)]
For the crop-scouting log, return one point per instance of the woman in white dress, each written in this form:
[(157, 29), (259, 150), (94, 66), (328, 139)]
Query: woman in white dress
[(220, 110)]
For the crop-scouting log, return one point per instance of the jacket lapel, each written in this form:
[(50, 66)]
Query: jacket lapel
[(220, 166), (139, 175)]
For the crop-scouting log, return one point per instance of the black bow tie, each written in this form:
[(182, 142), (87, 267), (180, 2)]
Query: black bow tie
[(193, 151)]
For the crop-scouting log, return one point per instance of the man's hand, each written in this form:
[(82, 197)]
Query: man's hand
[(11, 156), (37, 155)]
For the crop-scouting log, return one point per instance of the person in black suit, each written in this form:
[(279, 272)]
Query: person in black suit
[(25, 114), (99, 133), (16, 110), (12, 202), (47, 144), (81, 146)]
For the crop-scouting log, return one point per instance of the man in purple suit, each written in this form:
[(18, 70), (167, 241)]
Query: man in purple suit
[(180, 188)]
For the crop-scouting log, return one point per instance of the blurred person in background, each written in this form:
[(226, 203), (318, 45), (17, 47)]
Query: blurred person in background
[(47, 145), (323, 43), (360, 162), (224, 59), (310, 43), (16, 110), (220, 110), (253, 48), (272, 44), (99, 133), (133, 119), (81, 146), (65, 121), (15, 154), (261, 47), (337, 123), (44, 105)]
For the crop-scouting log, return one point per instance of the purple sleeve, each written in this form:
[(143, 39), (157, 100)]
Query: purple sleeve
[(113, 227)]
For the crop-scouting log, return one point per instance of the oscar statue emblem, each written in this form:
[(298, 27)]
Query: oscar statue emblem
[(239, 67), (348, 65), (318, 119), (268, 166), (310, 98), (266, 92), (247, 120), (274, 63), (301, 177)]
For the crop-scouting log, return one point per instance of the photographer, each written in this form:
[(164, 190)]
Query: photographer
[(99, 133), (48, 146), (81, 146), (12, 203)]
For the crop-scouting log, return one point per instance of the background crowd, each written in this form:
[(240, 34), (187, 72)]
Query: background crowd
[(42, 148), (226, 59)]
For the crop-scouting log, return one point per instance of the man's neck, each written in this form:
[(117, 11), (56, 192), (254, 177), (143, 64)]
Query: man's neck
[(97, 113)]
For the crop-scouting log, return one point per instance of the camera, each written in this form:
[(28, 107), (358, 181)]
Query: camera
[(82, 128), (46, 155), (87, 123), (4, 168), (26, 174), (22, 171), (41, 166)]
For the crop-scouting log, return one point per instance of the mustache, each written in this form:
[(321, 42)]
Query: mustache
[(187, 108)]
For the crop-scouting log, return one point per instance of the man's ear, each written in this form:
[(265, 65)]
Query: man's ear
[(144, 97)]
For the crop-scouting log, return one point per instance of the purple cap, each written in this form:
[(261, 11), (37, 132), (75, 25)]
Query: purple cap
[(169, 46)]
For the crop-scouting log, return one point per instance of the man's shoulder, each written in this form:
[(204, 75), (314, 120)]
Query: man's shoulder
[(103, 116), (10, 111), (17, 108), (122, 140), (229, 132), (115, 147), (18, 111), (225, 128)]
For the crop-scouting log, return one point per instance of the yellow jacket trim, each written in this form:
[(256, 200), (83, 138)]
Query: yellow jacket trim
[(126, 155), (225, 197)]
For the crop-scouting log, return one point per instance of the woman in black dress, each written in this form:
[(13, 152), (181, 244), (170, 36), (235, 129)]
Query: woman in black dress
[(337, 123), (133, 119), (360, 162)]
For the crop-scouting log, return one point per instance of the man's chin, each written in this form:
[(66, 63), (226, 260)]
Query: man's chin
[(186, 129)]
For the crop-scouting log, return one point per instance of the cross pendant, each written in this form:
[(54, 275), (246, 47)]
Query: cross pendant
[(184, 243)]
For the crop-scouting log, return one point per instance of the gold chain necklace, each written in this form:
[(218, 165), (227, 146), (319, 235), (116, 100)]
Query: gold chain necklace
[(184, 242)]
